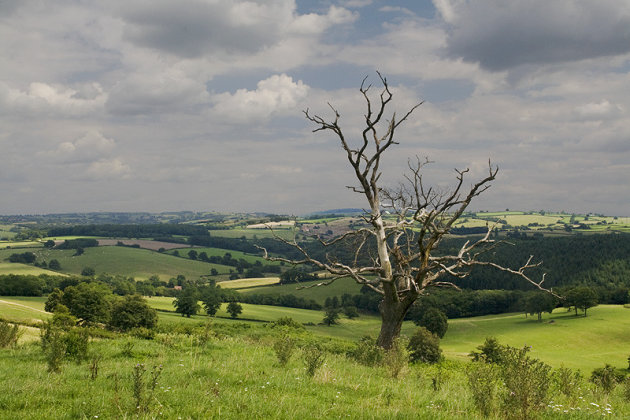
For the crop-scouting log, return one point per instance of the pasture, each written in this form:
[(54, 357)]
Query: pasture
[(130, 262), (307, 290), (562, 339)]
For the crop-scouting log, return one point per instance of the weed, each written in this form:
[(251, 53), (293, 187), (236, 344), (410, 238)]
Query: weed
[(367, 352), (396, 358), (94, 363), (9, 334), (313, 358), (127, 349), (482, 383), (284, 348), (143, 391)]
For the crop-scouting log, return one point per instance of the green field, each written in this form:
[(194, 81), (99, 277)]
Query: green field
[(220, 252), (576, 342), (318, 294), (131, 262), (253, 233), (248, 283), (23, 269)]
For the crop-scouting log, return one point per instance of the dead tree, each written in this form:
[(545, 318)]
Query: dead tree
[(403, 266)]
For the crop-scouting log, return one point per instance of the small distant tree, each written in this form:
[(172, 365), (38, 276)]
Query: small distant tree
[(54, 264), (187, 302), (88, 272), (433, 320), (331, 316), (49, 244), (351, 312), (132, 311), (581, 297), (213, 272), (538, 302), (192, 254), (90, 302), (234, 309), (212, 299), (54, 298)]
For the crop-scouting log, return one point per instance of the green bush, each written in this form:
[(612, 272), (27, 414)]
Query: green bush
[(526, 383), (607, 378), (131, 312), (313, 357), (9, 334), (483, 385), (367, 352), (287, 321), (396, 358), (424, 346), (490, 351), (284, 347)]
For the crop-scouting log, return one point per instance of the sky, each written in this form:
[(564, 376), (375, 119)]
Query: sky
[(198, 105)]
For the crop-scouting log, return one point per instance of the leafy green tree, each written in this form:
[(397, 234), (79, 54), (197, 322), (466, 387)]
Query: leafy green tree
[(88, 272), (192, 254), (433, 320), (54, 264), (234, 309), (90, 302), (49, 244), (581, 297), (54, 298), (331, 316), (538, 302), (132, 311), (186, 303), (490, 351), (212, 299), (351, 312)]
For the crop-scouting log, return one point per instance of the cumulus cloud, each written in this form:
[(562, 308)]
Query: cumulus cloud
[(194, 28), (87, 148), (108, 169), (601, 110), (57, 99), (143, 93), (501, 35), (276, 95)]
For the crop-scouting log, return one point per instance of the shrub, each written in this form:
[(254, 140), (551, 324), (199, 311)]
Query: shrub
[(396, 358), (284, 347), (607, 378), (287, 321), (490, 351), (131, 312), (313, 357), (367, 352), (9, 334), (424, 346), (76, 341), (526, 383), (483, 384), (566, 380)]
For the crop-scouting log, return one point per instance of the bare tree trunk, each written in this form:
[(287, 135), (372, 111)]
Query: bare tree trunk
[(392, 316)]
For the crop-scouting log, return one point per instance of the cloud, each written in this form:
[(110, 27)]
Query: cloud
[(601, 110), (146, 93), (108, 169), (502, 35), (276, 95), (53, 98), (87, 148), (194, 28)]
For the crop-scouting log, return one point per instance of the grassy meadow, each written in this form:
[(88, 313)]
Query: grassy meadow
[(222, 368), (318, 294)]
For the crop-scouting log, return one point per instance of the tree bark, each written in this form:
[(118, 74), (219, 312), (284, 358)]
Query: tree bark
[(392, 316)]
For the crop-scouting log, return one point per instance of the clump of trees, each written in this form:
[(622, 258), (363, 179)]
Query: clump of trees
[(93, 303)]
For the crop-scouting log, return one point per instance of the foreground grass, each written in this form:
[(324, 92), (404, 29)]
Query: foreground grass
[(234, 374)]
